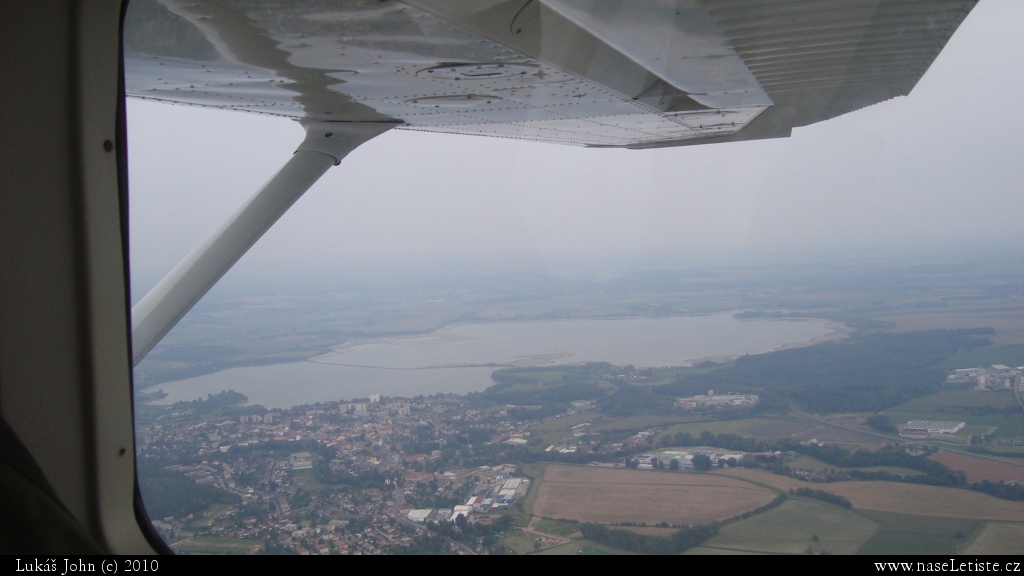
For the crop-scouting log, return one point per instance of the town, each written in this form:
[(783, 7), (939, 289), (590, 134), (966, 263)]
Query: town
[(391, 461), (375, 476), (995, 377)]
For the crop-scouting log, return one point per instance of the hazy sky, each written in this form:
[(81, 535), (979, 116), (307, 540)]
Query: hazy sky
[(942, 167)]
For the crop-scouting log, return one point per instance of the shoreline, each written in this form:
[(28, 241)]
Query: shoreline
[(441, 335), (447, 334), (839, 332)]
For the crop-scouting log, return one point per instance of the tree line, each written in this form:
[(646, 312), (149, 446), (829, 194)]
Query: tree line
[(680, 541), (822, 495)]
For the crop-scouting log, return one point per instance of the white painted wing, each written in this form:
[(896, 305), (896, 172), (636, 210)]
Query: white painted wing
[(583, 72)]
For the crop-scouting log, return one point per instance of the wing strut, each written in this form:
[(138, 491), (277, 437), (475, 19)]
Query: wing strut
[(325, 145)]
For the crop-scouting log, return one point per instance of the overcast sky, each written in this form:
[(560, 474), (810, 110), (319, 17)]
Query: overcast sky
[(942, 167)]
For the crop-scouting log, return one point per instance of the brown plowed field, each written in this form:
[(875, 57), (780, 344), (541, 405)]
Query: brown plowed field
[(898, 497), (925, 500), (978, 469), (591, 494)]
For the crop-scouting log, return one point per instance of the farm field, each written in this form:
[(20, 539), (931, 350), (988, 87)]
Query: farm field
[(804, 462), (978, 469), (998, 538), (536, 472), (1007, 321), (581, 548), (946, 399), (774, 429), (761, 477), (835, 435), (761, 428), (650, 530), (1005, 426), (926, 500), (708, 551), (603, 495), (214, 545), (913, 534), (887, 542), (792, 528), (898, 497)]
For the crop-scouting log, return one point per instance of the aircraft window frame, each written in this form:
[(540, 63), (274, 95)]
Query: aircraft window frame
[(145, 523)]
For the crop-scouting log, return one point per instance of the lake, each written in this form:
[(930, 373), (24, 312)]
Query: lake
[(461, 358)]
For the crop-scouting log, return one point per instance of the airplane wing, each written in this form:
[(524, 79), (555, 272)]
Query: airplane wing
[(579, 72)]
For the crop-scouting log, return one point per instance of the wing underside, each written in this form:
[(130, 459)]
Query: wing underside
[(578, 72)]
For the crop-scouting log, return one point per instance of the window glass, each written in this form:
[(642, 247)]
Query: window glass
[(470, 345)]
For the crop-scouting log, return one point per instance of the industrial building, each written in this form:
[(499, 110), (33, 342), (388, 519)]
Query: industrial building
[(930, 428), (721, 400)]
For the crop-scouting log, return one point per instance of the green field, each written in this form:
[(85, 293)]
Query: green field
[(708, 551), (306, 480), (519, 542), (997, 538), (969, 431), (581, 548), (1004, 425), (792, 527), (807, 463), (996, 400), (760, 428), (956, 405), (890, 542), (214, 545), (910, 534), (206, 517), (807, 526), (541, 380), (536, 473), (533, 379), (566, 422), (556, 527)]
